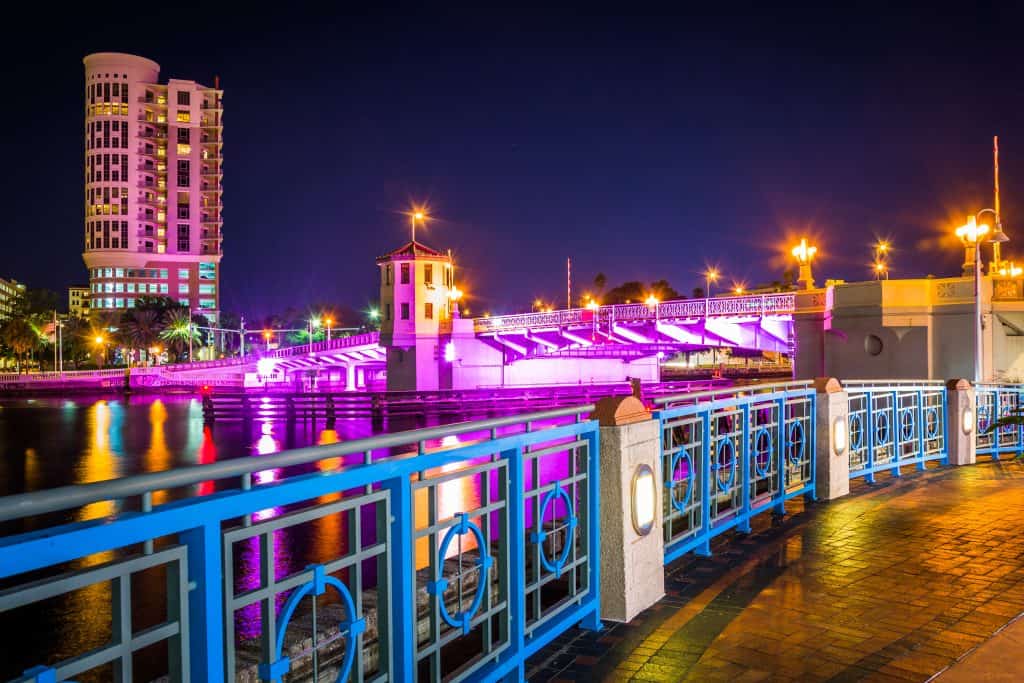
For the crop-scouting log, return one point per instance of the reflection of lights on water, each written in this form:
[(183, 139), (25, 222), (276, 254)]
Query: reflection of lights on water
[(261, 515), (265, 401), (30, 452), (450, 440), (265, 476), (266, 445), (267, 427)]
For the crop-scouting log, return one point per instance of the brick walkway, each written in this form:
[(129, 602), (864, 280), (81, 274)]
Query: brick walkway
[(893, 583)]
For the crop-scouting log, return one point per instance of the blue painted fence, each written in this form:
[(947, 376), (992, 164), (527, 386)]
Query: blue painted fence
[(994, 401), (728, 457), (895, 424), (419, 590)]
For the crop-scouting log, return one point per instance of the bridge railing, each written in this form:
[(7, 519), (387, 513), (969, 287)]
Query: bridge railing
[(726, 458), (894, 423), (756, 305), (332, 345), (426, 585), (994, 401), (68, 375)]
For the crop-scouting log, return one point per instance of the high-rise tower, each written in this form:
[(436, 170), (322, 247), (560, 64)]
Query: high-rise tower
[(153, 209)]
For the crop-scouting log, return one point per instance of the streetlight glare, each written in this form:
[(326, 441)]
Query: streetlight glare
[(374, 314), (803, 252), (99, 339), (652, 300), (712, 274)]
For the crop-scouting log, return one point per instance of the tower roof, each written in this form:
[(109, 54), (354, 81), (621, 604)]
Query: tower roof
[(411, 250)]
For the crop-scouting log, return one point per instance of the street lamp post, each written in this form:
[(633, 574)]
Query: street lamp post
[(971, 234), (710, 276)]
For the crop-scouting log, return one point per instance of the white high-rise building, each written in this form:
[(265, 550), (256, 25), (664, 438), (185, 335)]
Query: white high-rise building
[(153, 208)]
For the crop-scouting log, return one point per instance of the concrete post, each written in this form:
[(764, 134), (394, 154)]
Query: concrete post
[(832, 429), (632, 558), (961, 443), (350, 377)]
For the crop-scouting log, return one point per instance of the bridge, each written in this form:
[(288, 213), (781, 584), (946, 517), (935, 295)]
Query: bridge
[(581, 336), (466, 551), (758, 322)]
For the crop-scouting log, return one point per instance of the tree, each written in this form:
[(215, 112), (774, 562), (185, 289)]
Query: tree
[(664, 291), (600, 282), (20, 337), (141, 328), (177, 329), (75, 338)]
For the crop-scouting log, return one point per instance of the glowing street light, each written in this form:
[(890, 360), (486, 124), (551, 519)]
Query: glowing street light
[(314, 323), (328, 321), (267, 335), (417, 215), (651, 301), (738, 289), (710, 277), (374, 314), (804, 254), (881, 271), (593, 305), (971, 234), (1010, 269), (101, 342)]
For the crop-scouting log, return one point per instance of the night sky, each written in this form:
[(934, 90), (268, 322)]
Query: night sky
[(642, 146)]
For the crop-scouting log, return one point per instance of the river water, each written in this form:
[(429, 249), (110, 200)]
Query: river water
[(51, 442)]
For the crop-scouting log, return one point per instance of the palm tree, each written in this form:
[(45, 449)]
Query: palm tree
[(142, 328), (18, 334), (177, 329)]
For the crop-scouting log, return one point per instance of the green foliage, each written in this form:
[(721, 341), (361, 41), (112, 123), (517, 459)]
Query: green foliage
[(635, 291)]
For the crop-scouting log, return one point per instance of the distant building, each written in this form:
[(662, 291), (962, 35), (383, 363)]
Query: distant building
[(78, 301), (9, 291), (152, 185)]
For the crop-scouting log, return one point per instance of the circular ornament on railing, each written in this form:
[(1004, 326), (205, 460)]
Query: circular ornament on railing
[(795, 445), (931, 422), (674, 482), (350, 628), (540, 536), (856, 432), (437, 588), (763, 451), (907, 424), (725, 458), (881, 429)]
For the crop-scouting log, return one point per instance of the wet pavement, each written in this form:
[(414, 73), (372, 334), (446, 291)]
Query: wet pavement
[(896, 582)]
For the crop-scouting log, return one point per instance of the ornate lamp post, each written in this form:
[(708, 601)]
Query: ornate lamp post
[(971, 234), (804, 253)]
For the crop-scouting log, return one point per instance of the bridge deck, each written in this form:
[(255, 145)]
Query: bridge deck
[(893, 583)]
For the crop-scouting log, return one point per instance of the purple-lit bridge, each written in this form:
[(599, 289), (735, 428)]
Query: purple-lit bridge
[(761, 323), (607, 342)]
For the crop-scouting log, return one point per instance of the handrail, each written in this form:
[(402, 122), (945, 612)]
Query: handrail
[(742, 389), (76, 495)]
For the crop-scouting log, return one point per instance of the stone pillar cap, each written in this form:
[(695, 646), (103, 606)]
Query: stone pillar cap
[(827, 385), (612, 411)]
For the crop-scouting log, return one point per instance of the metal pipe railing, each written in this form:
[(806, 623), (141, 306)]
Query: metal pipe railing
[(66, 497), (735, 390)]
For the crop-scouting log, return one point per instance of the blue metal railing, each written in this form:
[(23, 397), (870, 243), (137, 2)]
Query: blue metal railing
[(893, 424), (994, 401), (726, 457), (427, 583)]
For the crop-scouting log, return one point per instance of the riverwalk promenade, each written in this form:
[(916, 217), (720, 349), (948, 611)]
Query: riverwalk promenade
[(904, 580)]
